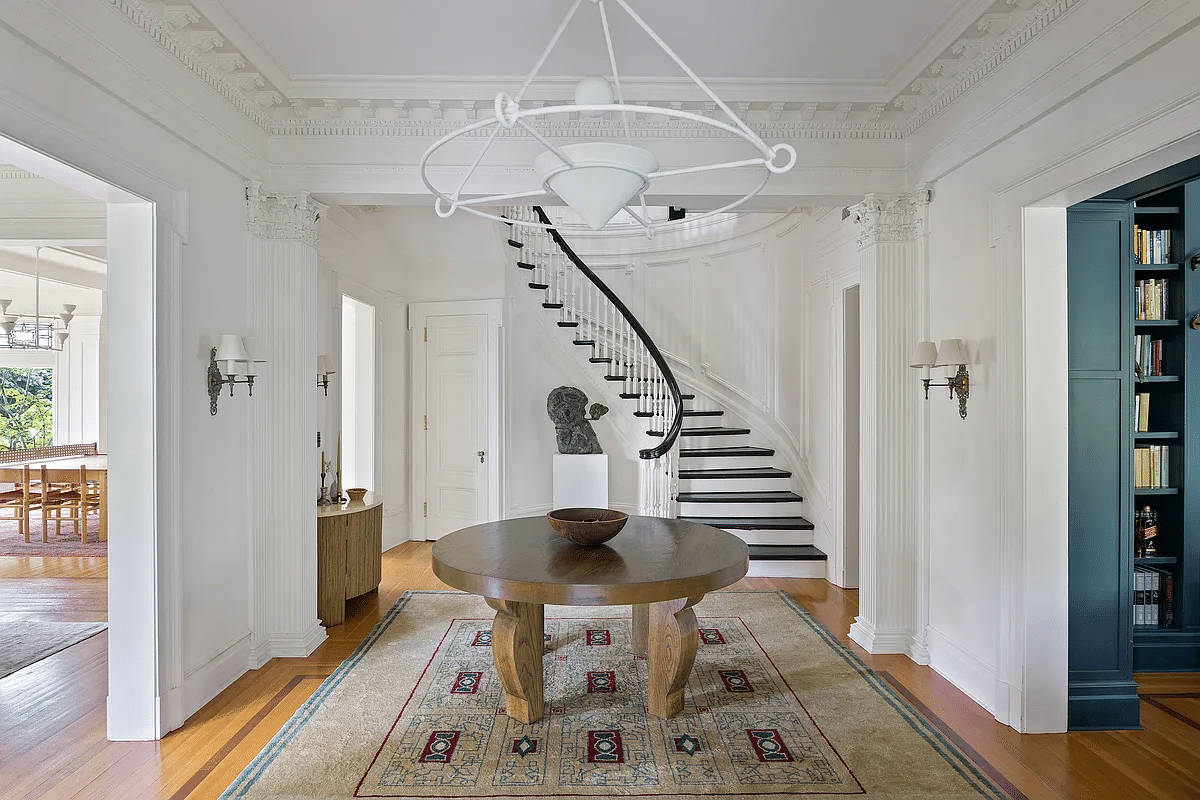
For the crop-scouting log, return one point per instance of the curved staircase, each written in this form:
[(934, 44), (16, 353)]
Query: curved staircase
[(720, 480)]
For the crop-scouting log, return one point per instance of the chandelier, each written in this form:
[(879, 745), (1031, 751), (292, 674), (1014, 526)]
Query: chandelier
[(597, 179), (35, 331)]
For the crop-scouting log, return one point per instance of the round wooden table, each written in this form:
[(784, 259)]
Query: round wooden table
[(661, 567)]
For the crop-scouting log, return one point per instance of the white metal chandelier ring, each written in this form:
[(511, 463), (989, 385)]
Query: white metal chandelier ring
[(582, 164)]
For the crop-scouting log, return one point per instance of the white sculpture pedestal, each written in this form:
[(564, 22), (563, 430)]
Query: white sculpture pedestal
[(581, 481)]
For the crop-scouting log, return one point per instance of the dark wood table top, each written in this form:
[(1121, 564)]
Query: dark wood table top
[(649, 561)]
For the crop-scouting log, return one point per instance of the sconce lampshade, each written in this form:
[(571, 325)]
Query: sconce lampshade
[(924, 355), (324, 367), (231, 349), (254, 355), (950, 352)]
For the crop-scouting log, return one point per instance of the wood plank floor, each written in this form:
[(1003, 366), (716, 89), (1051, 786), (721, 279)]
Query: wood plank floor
[(52, 714)]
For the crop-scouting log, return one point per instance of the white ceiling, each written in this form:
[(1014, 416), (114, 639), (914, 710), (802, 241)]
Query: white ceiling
[(795, 40)]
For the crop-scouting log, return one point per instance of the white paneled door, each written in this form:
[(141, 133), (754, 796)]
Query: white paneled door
[(456, 435)]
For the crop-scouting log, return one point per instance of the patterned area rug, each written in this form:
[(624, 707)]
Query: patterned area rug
[(26, 643), (776, 707), (65, 543)]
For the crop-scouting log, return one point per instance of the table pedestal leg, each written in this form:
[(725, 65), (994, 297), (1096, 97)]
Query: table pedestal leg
[(517, 650), (673, 637), (641, 629)]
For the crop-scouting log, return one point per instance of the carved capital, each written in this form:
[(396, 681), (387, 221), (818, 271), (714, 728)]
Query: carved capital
[(891, 218), (282, 215)]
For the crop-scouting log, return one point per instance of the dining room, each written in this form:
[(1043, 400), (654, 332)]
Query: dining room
[(53, 437)]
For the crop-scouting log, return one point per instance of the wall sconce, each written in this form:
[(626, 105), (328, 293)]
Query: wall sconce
[(948, 353), (230, 363), (323, 373)]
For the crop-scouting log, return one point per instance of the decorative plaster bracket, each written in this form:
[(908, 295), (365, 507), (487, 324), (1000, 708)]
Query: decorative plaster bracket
[(282, 215)]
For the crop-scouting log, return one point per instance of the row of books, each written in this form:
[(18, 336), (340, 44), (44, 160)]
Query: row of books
[(1151, 247), (1152, 298), (1153, 596), (1147, 356), (1151, 466)]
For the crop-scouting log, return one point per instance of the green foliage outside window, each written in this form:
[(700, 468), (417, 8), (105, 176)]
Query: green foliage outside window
[(26, 412)]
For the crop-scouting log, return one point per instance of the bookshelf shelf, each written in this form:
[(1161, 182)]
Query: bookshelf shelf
[(1157, 323), (1156, 561), (1159, 379), (1156, 267), (1139, 435), (1155, 209), (1161, 490)]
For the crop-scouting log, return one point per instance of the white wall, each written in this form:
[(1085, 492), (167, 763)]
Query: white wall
[(48, 102), (985, 637)]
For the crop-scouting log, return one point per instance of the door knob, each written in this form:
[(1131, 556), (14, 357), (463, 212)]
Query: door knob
[(480, 454)]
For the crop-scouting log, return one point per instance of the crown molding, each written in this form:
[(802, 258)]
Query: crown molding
[(206, 39), (10, 173)]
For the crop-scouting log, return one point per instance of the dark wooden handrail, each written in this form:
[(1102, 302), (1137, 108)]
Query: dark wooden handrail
[(677, 424)]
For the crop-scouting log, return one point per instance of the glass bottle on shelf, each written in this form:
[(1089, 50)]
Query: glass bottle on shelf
[(1139, 534), (1149, 531)]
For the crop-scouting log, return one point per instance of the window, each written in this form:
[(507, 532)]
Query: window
[(26, 407)]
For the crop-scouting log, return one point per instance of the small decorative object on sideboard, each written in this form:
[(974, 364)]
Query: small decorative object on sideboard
[(324, 499), (587, 526), (356, 494)]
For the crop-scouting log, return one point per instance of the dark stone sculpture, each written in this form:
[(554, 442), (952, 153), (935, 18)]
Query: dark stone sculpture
[(568, 408)]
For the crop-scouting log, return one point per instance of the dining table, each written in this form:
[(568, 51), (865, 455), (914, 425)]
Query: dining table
[(66, 470)]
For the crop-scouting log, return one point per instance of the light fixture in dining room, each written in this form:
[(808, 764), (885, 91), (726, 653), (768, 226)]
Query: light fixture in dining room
[(597, 179), (234, 360), (35, 331)]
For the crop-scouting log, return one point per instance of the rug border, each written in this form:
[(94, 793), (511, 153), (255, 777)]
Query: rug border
[(957, 760), (103, 627)]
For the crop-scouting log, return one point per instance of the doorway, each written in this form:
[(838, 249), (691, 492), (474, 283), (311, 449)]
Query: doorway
[(358, 394), (850, 438), (456, 415)]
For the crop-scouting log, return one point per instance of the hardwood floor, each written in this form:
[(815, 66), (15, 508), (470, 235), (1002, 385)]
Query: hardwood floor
[(52, 714)]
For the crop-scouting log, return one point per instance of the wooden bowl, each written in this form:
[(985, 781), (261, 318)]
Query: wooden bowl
[(356, 495), (587, 526)]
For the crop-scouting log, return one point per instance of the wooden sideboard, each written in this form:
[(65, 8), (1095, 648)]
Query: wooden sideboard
[(349, 555)]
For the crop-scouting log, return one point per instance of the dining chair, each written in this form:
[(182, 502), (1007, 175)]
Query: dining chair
[(62, 492), (21, 499)]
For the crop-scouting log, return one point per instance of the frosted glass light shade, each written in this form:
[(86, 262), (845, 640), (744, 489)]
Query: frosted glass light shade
[(924, 355), (950, 352), (601, 180), (7, 324), (69, 308), (4, 304), (61, 336)]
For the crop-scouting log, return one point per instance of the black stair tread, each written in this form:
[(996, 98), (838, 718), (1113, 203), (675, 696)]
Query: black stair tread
[(739, 497), (703, 413), (655, 433), (600, 360), (615, 377), (634, 395), (565, 324), (785, 552), (583, 341), (526, 265), (687, 397), (552, 305), (755, 523), (701, 452), (713, 431), (643, 413), (539, 286), (515, 243), (739, 472)]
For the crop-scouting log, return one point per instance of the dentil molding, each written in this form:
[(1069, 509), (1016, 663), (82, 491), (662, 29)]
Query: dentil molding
[(891, 218), (282, 215), (192, 40)]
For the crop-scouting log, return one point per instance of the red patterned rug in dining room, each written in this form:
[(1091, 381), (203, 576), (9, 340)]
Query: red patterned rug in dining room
[(64, 543)]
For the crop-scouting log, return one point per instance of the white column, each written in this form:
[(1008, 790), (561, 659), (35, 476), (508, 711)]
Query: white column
[(282, 285), (894, 561)]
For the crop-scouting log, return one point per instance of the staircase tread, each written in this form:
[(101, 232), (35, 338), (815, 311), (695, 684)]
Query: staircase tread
[(755, 523), (515, 243), (788, 552), (552, 305), (643, 413), (600, 360), (526, 265), (539, 286), (703, 413), (565, 324), (737, 472), (714, 431), (739, 497), (615, 377), (727, 451), (582, 341)]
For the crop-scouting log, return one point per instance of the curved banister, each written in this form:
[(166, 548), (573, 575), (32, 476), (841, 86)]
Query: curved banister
[(672, 432)]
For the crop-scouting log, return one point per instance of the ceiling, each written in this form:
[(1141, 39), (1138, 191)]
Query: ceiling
[(794, 40)]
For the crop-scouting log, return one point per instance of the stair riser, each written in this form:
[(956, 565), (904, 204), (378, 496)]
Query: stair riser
[(725, 462), (734, 484), (793, 509), (774, 537), (787, 569)]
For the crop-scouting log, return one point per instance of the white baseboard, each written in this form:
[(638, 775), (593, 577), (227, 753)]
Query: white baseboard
[(974, 677), (878, 642), (286, 645), (214, 676), (779, 568), (395, 530)]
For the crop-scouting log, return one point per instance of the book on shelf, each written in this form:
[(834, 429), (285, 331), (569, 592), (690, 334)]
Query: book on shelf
[(1147, 596), (1152, 466), (1152, 298), (1147, 356), (1141, 408), (1151, 246)]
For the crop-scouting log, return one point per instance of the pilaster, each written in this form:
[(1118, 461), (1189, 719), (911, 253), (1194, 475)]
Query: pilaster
[(282, 284), (894, 565)]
